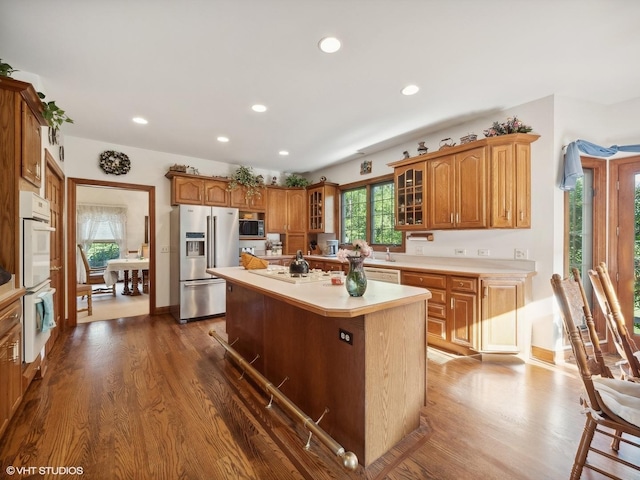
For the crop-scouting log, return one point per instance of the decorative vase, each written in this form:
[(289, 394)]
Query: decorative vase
[(356, 281)]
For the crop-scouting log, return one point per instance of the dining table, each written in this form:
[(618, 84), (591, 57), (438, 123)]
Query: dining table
[(126, 265)]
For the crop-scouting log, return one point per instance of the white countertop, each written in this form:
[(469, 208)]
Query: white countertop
[(324, 298), (445, 265)]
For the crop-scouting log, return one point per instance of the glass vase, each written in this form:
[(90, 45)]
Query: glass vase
[(356, 281)]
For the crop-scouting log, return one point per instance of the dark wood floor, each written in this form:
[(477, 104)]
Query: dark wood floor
[(146, 398)]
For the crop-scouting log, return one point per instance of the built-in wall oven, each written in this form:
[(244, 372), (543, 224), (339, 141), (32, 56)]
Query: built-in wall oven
[(35, 252)]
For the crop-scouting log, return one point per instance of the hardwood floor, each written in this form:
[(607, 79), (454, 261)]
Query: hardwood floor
[(147, 398)]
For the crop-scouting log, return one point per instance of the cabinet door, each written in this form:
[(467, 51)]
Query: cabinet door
[(440, 193), (315, 202), (216, 193), (410, 197), (239, 199), (15, 367), (503, 175), (471, 189), (276, 214), (5, 373), (501, 303), (462, 319), (187, 191), (296, 209), (295, 242), (31, 147), (523, 186)]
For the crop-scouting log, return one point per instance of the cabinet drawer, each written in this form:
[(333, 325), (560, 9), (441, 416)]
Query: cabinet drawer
[(464, 284), (426, 280), (10, 316), (436, 310)]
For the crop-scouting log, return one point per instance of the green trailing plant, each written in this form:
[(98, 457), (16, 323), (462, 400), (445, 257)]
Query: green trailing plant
[(5, 69), (244, 176), (294, 180), (53, 114)]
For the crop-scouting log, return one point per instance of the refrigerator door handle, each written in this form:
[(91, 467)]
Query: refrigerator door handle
[(199, 284), (210, 241)]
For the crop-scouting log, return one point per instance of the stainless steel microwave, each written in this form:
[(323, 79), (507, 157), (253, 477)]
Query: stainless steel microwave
[(251, 228)]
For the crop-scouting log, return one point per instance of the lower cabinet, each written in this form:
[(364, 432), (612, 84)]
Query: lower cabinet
[(10, 362), (472, 314)]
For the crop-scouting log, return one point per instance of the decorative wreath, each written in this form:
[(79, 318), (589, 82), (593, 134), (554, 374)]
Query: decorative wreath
[(116, 163)]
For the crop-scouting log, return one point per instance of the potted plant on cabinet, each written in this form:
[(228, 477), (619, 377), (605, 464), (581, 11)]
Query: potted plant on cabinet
[(244, 176), (294, 180)]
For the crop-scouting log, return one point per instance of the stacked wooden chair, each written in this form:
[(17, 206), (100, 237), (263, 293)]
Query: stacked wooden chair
[(608, 301), (611, 405), (95, 276)]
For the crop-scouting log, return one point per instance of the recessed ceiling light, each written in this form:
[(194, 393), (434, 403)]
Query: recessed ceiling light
[(259, 108), (284, 153), (223, 139), (329, 44), (410, 90), (140, 120)]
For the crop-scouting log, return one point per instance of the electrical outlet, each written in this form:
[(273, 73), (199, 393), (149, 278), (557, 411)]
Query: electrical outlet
[(164, 249), (346, 337), (483, 252), (520, 254), (460, 251), (420, 250)]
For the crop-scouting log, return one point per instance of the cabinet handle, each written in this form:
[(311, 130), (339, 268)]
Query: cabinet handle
[(420, 279), (485, 292), (451, 218), (521, 215), (452, 301), (508, 214), (461, 284)]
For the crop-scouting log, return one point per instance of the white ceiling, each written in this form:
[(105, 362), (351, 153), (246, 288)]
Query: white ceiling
[(194, 68)]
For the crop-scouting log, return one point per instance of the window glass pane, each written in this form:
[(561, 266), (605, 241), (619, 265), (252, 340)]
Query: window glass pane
[(100, 252), (636, 258), (354, 215), (581, 228), (382, 215)]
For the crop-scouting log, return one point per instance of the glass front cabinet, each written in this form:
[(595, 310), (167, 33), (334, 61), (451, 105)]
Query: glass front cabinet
[(410, 196)]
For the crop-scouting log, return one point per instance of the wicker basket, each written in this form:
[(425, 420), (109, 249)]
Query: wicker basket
[(251, 262)]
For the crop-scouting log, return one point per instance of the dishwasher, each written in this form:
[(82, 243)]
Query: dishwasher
[(383, 274)]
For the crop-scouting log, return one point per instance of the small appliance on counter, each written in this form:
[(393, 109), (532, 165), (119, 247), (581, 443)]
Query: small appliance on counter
[(328, 244)]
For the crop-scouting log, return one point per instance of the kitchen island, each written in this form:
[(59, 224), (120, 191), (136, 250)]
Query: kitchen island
[(362, 358)]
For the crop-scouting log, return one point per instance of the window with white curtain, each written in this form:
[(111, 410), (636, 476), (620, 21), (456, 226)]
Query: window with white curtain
[(102, 232)]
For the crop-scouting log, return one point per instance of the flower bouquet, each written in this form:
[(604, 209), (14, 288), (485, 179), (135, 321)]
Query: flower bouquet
[(512, 125), (361, 249)]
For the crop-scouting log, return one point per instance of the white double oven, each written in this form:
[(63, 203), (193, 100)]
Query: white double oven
[(35, 252)]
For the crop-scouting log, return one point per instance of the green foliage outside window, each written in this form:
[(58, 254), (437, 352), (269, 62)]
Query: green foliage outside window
[(100, 252), (379, 229)]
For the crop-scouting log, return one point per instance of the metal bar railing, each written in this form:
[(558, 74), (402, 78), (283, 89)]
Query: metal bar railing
[(349, 459)]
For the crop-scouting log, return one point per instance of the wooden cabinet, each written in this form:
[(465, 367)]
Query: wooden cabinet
[(482, 184), (195, 190), (502, 301), (10, 361), (510, 173), (457, 186), (20, 161), (286, 215), (321, 204), (31, 167), (472, 314), (410, 196), (256, 202)]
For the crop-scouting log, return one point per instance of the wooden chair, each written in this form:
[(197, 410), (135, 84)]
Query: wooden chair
[(84, 290), (144, 253), (608, 301), (609, 403), (95, 276)]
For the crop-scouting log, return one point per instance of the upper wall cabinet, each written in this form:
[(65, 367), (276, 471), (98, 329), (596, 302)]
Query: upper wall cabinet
[(321, 203), (481, 184), (254, 202), (196, 190), (20, 160)]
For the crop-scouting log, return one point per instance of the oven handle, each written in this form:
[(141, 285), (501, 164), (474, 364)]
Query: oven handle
[(39, 228), (39, 299)]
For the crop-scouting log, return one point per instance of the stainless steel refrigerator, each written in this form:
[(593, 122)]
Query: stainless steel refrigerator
[(201, 238)]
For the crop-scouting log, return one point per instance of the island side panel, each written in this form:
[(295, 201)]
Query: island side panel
[(396, 375), (324, 372), (245, 323)]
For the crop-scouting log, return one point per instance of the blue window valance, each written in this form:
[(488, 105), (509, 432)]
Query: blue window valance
[(572, 165)]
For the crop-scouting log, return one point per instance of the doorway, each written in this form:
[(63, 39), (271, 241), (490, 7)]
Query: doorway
[(75, 186), (624, 264)]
